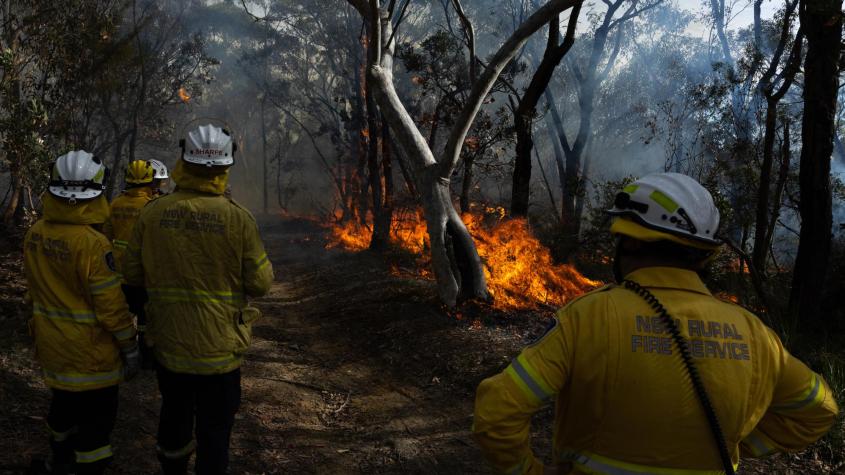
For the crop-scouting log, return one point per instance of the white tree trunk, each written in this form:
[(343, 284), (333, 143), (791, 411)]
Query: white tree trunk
[(457, 267)]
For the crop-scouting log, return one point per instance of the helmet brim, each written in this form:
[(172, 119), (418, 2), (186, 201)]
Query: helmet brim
[(74, 193), (631, 225)]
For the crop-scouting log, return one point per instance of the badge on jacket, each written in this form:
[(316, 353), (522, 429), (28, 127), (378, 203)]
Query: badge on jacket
[(110, 261)]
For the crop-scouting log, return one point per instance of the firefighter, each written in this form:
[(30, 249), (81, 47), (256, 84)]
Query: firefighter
[(84, 334), (160, 177), (196, 257), (139, 178), (626, 400), (141, 186)]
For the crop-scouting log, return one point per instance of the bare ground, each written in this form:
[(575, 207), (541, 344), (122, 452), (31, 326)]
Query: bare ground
[(353, 369)]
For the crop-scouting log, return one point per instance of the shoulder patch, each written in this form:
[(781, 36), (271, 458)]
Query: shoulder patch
[(550, 326), (109, 258)]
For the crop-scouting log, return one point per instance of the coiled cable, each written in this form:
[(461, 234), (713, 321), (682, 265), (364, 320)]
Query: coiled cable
[(686, 356)]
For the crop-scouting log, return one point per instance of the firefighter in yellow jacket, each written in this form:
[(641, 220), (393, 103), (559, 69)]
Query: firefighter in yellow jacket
[(84, 334), (614, 361), (199, 257), (126, 208)]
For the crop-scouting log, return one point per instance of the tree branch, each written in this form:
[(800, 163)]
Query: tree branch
[(469, 35), (488, 78)]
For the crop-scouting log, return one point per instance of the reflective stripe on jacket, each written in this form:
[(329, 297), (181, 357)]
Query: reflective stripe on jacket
[(623, 400), (125, 210), (200, 257), (79, 315)]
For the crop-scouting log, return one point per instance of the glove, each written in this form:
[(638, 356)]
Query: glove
[(131, 362), (147, 359)]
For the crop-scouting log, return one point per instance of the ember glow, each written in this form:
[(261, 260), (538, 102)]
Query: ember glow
[(520, 271), (183, 95)]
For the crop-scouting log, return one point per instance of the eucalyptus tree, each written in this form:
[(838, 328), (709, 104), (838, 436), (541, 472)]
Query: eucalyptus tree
[(457, 267)]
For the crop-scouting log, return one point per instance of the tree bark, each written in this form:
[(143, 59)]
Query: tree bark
[(760, 251), (780, 186), (457, 267), (526, 111), (381, 229), (265, 203), (523, 122), (765, 88), (466, 182), (14, 202), (821, 21)]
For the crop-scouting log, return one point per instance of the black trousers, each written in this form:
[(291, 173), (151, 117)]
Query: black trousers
[(80, 424), (211, 400)]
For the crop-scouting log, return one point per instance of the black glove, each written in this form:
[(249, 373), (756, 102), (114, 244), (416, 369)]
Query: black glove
[(131, 362), (136, 297)]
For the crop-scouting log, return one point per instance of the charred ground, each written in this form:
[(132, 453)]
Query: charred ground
[(354, 369)]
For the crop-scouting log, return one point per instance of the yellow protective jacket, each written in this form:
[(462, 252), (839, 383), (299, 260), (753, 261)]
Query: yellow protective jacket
[(125, 210), (199, 256), (623, 401), (80, 318)]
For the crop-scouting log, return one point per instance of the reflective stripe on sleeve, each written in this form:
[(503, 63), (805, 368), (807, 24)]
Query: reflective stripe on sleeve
[(197, 365), (95, 455), (812, 396), (518, 469), (178, 453), (521, 371), (118, 244), (99, 287), (263, 262), (82, 380), (594, 463), (125, 334), (758, 444), (173, 294), (64, 314)]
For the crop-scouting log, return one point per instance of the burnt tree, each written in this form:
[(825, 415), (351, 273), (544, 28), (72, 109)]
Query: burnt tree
[(526, 109), (821, 21)]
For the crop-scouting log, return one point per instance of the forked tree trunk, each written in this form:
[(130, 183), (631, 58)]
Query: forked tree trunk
[(457, 267), (525, 112)]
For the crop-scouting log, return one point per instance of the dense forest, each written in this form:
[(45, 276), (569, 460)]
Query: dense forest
[(464, 152)]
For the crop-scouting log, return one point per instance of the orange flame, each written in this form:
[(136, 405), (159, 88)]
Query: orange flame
[(520, 271), (183, 94)]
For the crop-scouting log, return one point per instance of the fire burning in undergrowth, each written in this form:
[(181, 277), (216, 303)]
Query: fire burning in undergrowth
[(519, 269)]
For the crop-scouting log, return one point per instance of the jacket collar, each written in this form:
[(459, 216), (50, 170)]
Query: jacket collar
[(669, 278), (94, 211), (198, 178)]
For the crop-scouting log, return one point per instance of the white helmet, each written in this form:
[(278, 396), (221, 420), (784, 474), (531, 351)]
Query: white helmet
[(669, 203), (78, 175), (210, 146), (159, 170)]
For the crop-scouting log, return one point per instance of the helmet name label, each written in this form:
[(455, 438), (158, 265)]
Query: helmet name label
[(207, 151)]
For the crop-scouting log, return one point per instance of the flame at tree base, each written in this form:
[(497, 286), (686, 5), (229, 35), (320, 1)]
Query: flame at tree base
[(520, 272)]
